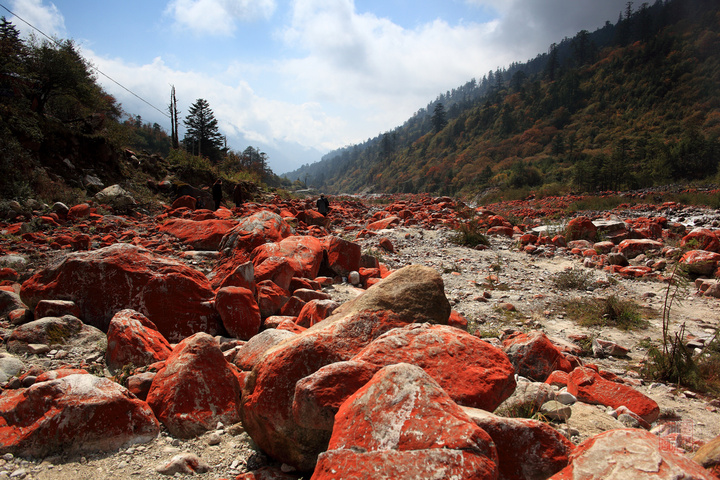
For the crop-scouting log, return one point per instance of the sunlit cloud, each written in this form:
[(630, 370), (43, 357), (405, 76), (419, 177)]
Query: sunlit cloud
[(218, 17), (239, 110), (361, 59), (46, 18)]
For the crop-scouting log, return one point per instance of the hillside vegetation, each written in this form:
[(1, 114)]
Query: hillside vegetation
[(631, 105), (63, 137)]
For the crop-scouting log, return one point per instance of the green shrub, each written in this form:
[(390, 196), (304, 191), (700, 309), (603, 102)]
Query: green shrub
[(469, 234), (606, 312), (573, 279), (672, 361), (190, 168)]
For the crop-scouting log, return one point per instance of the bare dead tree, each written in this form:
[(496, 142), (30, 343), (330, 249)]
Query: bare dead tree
[(173, 118)]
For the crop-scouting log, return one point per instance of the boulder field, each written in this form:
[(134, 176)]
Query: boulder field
[(190, 322)]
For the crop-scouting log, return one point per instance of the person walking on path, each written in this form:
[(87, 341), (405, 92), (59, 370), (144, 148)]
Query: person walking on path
[(238, 196), (323, 205), (217, 193)]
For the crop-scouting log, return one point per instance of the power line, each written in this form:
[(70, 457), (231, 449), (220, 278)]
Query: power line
[(90, 65)]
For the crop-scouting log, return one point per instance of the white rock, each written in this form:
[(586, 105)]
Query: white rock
[(566, 398)]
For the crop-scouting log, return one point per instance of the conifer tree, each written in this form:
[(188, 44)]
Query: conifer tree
[(439, 119), (203, 137)]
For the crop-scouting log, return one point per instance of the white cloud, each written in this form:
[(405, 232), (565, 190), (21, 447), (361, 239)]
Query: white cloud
[(218, 17), (386, 72), (46, 18), (242, 115), (356, 59)]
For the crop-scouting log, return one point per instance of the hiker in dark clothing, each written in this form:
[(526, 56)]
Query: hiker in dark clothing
[(323, 205), (217, 193), (238, 196)]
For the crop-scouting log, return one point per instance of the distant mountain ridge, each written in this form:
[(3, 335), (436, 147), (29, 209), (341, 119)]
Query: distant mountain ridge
[(632, 104)]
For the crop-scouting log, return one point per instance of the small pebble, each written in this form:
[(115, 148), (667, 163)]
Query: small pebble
[(19, 473), (213, 439)]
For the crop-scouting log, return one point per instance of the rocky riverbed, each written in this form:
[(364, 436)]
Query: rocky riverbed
[(500, 289)]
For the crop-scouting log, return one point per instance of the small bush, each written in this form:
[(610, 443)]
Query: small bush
[(191, 168), (673, 362), (607, 312), (127, 371), (468, 234), (709, 366), (573, 279)]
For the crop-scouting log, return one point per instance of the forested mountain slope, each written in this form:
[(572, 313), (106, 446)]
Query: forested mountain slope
[(633, 104)]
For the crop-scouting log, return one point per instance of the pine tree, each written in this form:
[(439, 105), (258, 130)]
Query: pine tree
[(12, 49), (202, 137), (438, 118)]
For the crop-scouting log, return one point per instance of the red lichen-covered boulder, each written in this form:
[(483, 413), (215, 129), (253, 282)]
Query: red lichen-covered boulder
[(139, 384), (631, 248), (412, 294), (590, 387), (270, 298), (73, 414), (386, 244), (402, 425), (304, 253), (557, 378), (457, 320), (101, 282), (472, 372), (527, 449), (242, 275), (10, 301), (200, 235), (701, 262), (59, 373), (239, 312), (629, 453), (255, 230), (384, 223), (56, 308), (313, 217), (185, 201), (315, 311), (701, 239), (634, 271), (196, 389), (78, 212), (501, 230), (319, 396), (534, 355), (249, 355), (581, 228), (343, 256), (292, 307), (133, 339), (277, 269)]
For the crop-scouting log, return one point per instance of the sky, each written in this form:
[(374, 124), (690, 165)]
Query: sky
[(298, 78)]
